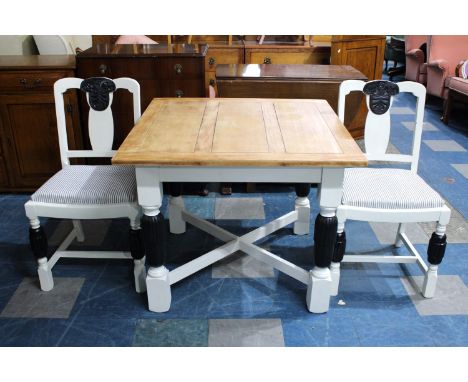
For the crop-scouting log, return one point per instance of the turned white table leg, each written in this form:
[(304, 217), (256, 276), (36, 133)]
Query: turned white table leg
[(302, 206), (154, 238)]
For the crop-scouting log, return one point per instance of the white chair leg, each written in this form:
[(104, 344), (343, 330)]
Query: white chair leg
[(44, 272), (139, 272), (430, 282), (78, 230), (159, 289), (335, 277), (302, 225), (176, 222), (401, 229)]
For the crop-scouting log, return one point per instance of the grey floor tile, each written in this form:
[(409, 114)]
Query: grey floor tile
[(386, 233), (427, 126), (443, 145), (245, 332), (401, 110), (169, 333), (239, 208), (29, 301), (451, 296), (241, 265), (462, 168), (94, 231), (391, 149)]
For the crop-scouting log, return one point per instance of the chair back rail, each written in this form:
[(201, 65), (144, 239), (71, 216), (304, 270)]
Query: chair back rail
[(100, 122), (378, 121)]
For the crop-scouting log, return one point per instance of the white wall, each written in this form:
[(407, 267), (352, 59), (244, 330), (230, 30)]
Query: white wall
[(17, 45)]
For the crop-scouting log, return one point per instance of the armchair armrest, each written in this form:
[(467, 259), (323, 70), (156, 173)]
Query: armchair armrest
[(440, 64), (416, 54)]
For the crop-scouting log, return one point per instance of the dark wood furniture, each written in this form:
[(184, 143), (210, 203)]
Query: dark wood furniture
[(176, 70), (294, 81), (29, 150)]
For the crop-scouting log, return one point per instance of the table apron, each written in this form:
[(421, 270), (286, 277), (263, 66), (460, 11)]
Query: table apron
[(237, 174)]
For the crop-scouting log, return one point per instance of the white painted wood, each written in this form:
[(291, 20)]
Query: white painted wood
[(176, 222), (46, 280), (149, 189), (100, 141), (335, 278), (319, 290), (101, 127), (239, 174), (78, 230), (275, 261), (269, 228), (330, 190), (430, 282), (376, 140), (159, 289), (139, 272), (203, 261), (302, 225)]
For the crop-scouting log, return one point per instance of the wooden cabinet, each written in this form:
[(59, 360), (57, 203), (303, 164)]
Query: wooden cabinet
[(365, 53), (294, 81), (29, 152), (176, 70), (293, 53)]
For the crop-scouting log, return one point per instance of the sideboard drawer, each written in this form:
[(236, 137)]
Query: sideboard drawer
[(218, 56), (284, 57), (30, 81), (181, 68), (181, 88), (117, 67)]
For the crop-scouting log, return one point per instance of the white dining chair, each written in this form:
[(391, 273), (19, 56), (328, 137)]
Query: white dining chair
[(80, 192), (392, 195)]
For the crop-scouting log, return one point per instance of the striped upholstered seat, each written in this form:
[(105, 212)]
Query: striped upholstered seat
[(388, 189), (89, 185)]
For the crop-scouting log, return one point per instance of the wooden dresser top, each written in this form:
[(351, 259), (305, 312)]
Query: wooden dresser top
[(147, 50), (239, 132), (37, 62), (288, 72)]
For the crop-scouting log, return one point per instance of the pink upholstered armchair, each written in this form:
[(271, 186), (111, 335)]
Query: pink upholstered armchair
[(445, 54), (416, 58)]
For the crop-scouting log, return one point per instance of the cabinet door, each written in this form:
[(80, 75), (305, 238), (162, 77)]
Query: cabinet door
[(32, 152)]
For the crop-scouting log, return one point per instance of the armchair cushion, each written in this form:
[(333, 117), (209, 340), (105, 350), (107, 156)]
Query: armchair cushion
[(388, 188), (89, 185)]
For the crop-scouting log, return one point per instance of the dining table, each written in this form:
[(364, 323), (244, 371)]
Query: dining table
[(294, 141)]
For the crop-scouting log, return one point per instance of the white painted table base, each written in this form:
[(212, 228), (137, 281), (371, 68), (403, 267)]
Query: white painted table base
[(318, 280)]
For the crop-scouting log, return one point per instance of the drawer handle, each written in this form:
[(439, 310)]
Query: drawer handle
[(211, 61), (212, 82), (179, 93), (24, 82), (102, 68), (267, 60), (178, 68)]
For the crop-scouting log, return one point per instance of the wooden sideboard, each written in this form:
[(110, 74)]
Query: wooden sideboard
[(29, 150), (176, 70), (294, 81)]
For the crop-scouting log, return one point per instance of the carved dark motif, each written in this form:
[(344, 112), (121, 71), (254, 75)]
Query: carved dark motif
[(98, 89), (436, 249), (380, 93)]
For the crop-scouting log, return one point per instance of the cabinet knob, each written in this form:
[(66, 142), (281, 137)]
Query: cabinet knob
[(102, 69), (23, 81), (178, 68), (267, 60), (211, 61), (179, 93), (37, 81), (212, 82)]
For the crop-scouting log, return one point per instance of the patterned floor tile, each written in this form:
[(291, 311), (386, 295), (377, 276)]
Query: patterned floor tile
[(245, 332), (443, 145), (31, 332), (239, 208), (401, 110), (29, 301), (456, 230), (462, 168), (451, 296), (241, 265), (386, 233), (171, 333), (427, 126)]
